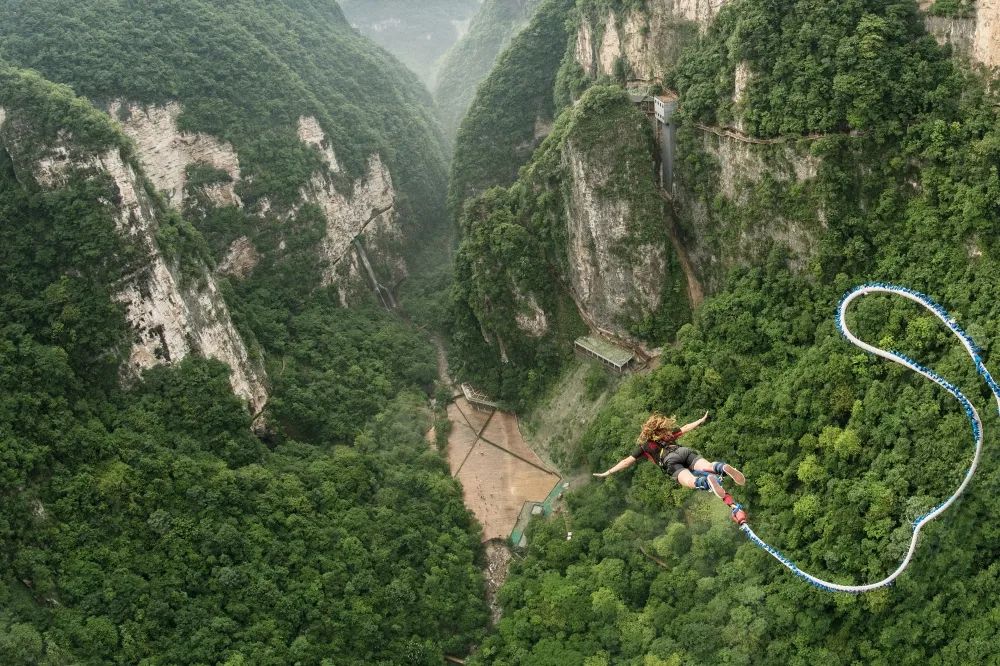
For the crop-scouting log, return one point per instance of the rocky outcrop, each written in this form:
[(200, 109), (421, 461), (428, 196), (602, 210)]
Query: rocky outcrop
[(240, 260), (646, 42), (367, 211), (531, 318), (611, 274), (702, 12), (719, 242), (986, 44), (165, 152), (311, 134), (170, 316)]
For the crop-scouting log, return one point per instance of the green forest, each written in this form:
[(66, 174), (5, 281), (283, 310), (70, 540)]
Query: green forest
[(497, 135), (155, 520), (842, 450), (471, 59), (147, 522)]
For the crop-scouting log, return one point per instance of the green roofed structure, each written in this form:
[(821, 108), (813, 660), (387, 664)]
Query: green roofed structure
[(479, 400), (613, 356)]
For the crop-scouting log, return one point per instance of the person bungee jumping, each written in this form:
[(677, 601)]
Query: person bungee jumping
[(657, 443)]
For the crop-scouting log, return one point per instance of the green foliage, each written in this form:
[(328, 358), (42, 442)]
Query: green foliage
[(470, 60), (515, 247), (342, 364), (842, 451), (148, 525), (169, 533), (861, 65), (245, 72), (953, 8), (498, 134)]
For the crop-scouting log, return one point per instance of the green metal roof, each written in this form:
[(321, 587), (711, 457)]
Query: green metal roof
[(606, 350)]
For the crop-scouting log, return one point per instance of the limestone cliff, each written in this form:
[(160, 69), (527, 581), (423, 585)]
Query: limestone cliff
[(365, 212), (614, 278), (170, 315), (986, 43), (166, 152), (646, 43), (730, 213), (363, 208)]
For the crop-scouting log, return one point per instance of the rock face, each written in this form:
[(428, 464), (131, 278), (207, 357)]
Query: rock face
[(170, 316), (311, 134), (240, 260), (531, 319), (607, 280), (717, 245), (366, 212), (165, 152), (986, 44), (647, 42)]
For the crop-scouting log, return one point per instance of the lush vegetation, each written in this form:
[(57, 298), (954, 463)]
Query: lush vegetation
[(862, 65), (515, 249), (842, 450), (470, 60), (499, 133), (147, 524), (245, 72), (419, 34)]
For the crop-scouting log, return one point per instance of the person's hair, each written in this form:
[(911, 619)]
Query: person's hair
[(656, 427)]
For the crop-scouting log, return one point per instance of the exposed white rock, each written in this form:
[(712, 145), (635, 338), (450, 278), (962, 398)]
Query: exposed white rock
[(240, 260), (649, 41), (634, 45), (531, 319), (370, 204), (986, 44), (311, 134), (585, 49), (53, 169), (170, 318), (3, 115), (611, 45), (742, 79), (165, 152), (701, 12), (606, 285)]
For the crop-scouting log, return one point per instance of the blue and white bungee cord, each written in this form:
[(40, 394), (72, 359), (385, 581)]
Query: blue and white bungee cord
[(970, 413)]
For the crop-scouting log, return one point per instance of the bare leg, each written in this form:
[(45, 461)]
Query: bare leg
[(686, 479), (702, 465)]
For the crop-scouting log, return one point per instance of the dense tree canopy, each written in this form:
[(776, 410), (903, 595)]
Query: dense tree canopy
[(146, 524), (471, 59), (842, 450), (498, 134)]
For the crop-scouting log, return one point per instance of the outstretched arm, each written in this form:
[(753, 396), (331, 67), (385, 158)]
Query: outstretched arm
[(694, 424), (624, 463)]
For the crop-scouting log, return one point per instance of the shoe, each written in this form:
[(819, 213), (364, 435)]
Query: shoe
[(716, 486), (734, 474)]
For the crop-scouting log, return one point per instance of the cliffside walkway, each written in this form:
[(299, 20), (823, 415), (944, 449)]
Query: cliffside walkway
[(970, 412), (739, 135)]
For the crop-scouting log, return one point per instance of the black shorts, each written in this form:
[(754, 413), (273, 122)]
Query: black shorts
[(679, 459)]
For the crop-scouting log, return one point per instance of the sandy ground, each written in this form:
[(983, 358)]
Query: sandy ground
[(498, 472)]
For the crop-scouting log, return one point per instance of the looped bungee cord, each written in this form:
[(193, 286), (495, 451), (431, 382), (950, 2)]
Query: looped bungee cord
[(970, 412)]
